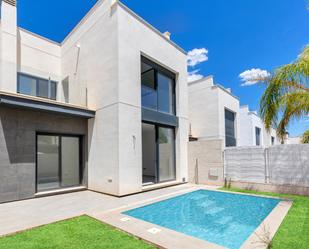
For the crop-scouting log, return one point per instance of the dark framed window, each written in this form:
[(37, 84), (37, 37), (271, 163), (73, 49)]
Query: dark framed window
[(158, 153), (257, 136), (59, 161), (272, 140), (35, 86), (158, 87), (230, 138)]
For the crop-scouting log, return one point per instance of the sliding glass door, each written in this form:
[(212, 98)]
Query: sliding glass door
[(70, 161), (58, 161), (158, 148), (149, 153), (166, 149), (48, 166)]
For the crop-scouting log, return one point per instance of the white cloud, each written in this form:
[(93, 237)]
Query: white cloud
[(194, 75), (197, 56), (253, 76)]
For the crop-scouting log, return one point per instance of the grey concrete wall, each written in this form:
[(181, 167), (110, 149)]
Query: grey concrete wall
[(205, 162), (245, 164), (289, 164), (267, 187), (17, 147), (278, 165)]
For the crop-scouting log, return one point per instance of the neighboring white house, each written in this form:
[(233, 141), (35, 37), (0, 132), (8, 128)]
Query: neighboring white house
[(293, 140), (253, 132), (90, 111), (213, 112)]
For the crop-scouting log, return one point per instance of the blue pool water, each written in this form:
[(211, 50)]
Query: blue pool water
[(222, 218)]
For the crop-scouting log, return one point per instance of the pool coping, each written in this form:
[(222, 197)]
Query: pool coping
[(264, 233), (168, 238)]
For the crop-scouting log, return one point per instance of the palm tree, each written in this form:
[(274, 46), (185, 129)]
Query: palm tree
[(305, 137), (287, 94)]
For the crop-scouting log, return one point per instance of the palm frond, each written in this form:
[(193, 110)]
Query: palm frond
[(286, 94), (294, 106)]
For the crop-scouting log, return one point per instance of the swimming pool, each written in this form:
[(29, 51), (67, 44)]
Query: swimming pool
[(222, 218)]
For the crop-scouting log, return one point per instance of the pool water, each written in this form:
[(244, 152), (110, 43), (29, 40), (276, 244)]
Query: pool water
[(225, 219)]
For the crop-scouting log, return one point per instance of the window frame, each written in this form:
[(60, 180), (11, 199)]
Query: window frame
[(235, 135), (258, 135), (157, 126), (272, 140), (165, 72), (81, 158), (36, 78)]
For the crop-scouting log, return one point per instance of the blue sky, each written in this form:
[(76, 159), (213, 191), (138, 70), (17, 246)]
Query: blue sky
[(238, 34)]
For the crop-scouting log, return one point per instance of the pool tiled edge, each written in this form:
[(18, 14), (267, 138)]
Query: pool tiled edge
[(167, 238), (268, 227), (157, 235)]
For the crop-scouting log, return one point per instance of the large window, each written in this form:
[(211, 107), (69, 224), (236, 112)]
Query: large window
[(257, 136), (35, 86), (158, 87), (58, 161), (158, 145), (230, 138)]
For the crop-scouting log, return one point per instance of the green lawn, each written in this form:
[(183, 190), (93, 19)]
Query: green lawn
[(78, 233), (294, 231)]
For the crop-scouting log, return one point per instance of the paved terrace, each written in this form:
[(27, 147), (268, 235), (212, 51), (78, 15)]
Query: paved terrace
[(22, 215)]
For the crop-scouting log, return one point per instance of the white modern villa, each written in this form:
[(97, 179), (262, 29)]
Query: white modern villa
[(213, 112), (103, 110), (253, 130)]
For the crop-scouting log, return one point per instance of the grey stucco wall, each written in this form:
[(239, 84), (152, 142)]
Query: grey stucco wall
[(17, 147), (286, 164)]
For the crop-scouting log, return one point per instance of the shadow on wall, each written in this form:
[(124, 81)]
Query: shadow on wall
[(18, 129), (18, 142)]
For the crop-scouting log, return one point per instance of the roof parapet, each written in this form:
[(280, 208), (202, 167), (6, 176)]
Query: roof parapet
[(10, 2)]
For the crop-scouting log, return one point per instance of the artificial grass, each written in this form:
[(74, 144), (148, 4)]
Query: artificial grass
[(77, 233), (294, 230)]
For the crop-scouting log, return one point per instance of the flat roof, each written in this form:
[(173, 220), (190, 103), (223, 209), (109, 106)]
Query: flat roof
[(89, 13), (41, 104)]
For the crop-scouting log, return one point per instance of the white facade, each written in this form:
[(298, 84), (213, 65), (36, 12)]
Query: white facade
[(249, 123), (101, 62), (293, 140), (207, 105)]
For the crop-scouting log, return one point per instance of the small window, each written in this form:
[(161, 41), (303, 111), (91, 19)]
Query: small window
[(42, 88), (53, 90), (230, 138), (35, 86), (272, 140), (26, 85), (257, 136)]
